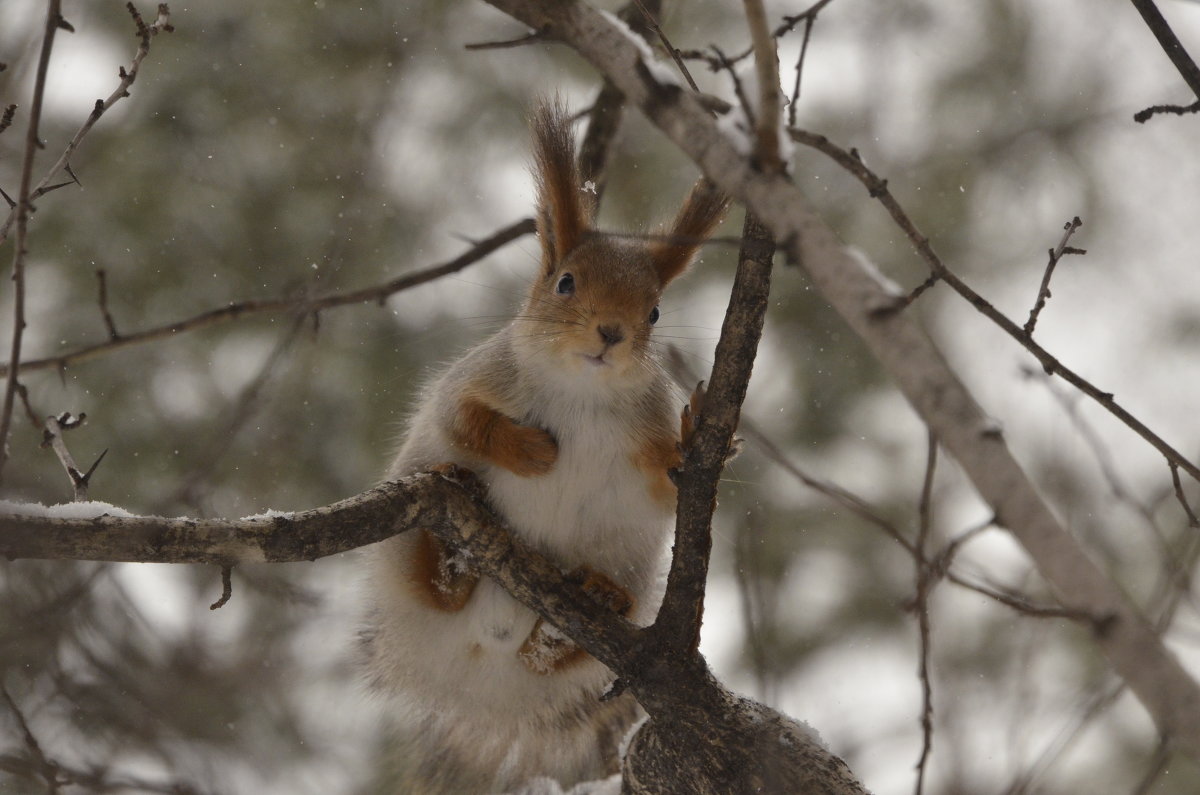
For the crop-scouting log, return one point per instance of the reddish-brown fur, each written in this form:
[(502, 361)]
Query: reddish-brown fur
[(432, 578), (697, 218), (654, 457), (544, 653), (487, 434), (564, 213)]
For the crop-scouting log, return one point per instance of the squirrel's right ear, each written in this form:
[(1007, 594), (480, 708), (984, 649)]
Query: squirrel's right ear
[(563, 212)]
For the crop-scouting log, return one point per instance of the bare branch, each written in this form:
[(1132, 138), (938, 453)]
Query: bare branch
[(47, 769), (1154, 673), (722, 62), (127, 76), (1055, 255), (21, 213), (761, 743), (1179, 495), (520, 41), (300, 304), (52, 437), (677, 627), (766, 68), (6, 119), (939, 272), (226, 588), (926, 579), (671, 50), (102, 282), (1142, 116), (1173, 48)]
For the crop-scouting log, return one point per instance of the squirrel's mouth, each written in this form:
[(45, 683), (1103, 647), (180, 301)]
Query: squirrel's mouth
[(596, 361)]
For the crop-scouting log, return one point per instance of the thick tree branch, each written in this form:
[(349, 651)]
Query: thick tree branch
[(867, 304), (677, 627), (683, 693)]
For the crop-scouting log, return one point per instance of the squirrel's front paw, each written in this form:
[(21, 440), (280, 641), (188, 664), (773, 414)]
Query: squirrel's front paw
[(547, 650), (532, 452), (687, 425)]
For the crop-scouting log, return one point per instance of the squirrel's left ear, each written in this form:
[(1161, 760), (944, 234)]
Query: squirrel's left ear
[(698, 217), (564, 212)]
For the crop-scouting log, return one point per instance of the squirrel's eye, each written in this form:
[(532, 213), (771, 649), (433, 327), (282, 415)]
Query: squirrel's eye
[(566, 284), (653, 316)]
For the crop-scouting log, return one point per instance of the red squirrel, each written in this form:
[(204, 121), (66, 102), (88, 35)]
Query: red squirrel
[(569, 420)]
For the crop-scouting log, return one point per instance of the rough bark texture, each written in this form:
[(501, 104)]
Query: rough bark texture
[(870, 308), (709, 736), (722, 744)]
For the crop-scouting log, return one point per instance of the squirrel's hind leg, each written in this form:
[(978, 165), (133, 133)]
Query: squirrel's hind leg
[(441, 578), (547, 650)]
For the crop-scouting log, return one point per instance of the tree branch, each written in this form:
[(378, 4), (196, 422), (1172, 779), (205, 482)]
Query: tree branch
[(22, 211), (1174, 50), (127, 76), (861, 297), (301, 304), (878, 189), (677, 627)]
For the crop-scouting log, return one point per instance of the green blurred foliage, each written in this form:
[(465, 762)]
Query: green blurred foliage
[(280, 148)]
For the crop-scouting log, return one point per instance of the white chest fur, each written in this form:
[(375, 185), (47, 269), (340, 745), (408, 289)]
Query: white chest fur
[(593, 508)]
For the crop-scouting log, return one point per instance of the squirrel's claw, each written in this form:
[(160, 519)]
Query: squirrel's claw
[(689, 416)]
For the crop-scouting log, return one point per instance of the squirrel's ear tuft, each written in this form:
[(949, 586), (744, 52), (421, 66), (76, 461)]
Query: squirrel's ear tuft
[(698, 217), (563, 211)]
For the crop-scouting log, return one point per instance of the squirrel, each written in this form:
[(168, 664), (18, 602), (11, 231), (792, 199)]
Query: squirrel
[(567, 418)]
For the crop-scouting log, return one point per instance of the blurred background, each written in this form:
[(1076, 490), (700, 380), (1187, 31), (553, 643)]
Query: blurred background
[(288, 149)]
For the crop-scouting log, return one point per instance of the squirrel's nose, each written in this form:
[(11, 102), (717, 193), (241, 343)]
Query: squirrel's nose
[(610, 334)]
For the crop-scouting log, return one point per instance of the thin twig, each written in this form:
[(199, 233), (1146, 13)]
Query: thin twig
[(1193, 522), (939, 565), (1171, 45), (52, 437), (750, 581), (1178, 110), (924, 585), (1022, 604), (878, 189), (22, 211), (230, 426), (1055, 255), (6, 119), (226, 588), (789, 24), (47, 769), (301, 304), (127, 76), (103, 299), (809, 21), (520, 41), (738, 89), (679, 64), (942, 561)]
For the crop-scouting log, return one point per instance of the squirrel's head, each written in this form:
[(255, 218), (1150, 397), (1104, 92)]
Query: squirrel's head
[(594, 303)]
